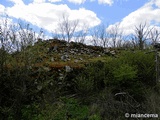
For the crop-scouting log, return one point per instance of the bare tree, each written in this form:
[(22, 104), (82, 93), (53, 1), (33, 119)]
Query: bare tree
[(66, 28), (95, 36), (133, 43), (100, 36), (142, 32), (127, 44), (154, 35), (27, 36), (104, 36), (115, 35), (4, 33), (14, 37), (81, 35)]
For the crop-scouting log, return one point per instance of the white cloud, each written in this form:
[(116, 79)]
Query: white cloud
[(47, 15), (147, 13), (77, 1), (39, 1), (54, 1), (109, 2), (86, 16), (2, 9), (157, 2), (3, 17)]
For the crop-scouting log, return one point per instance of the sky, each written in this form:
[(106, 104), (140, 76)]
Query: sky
[(46, 14)]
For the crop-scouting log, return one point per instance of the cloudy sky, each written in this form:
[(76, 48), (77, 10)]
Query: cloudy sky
[(46, 13)]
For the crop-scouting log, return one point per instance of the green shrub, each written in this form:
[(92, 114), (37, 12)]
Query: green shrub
[(84, 85), (31, 112), (124, 73), (130, 73), (145, 64), (95, 117), (66, 108), (91, 79), (151, 104)]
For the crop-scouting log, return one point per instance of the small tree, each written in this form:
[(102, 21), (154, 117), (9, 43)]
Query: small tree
[(154, 35), (15, 81), (95, 36), (81, 35), (66, 28), (104, 36), (100, 36), (142, 32), (115, 35)]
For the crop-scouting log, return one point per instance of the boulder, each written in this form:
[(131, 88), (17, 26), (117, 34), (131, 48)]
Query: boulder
[(112, 52), (81, 59), (46, 69), (39, 87), (64, 57), (76, 61), (106, 51), (52, 59), (55, 48), (68, 68)]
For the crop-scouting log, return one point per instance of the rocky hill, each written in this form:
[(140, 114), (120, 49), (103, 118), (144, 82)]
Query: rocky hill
[(57, 54), (57, 80)]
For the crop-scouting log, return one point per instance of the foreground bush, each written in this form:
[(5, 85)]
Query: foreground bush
[(101, 90)]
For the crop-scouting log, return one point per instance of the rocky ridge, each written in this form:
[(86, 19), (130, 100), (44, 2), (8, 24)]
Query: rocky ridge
[(55, 54)]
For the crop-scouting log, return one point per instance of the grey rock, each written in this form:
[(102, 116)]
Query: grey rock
[(81, 59), (67, 44), (39, 87), (52, 59), (75, 50), (46, 69), (64, 57), (61, 76), (72, 52), (75, 61), (112, 52), (35, 82), (29, 67), (55, 48), (106, 50), (51, 83), (68, 68)]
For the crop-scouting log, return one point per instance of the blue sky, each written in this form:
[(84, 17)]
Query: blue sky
[(46, 13)]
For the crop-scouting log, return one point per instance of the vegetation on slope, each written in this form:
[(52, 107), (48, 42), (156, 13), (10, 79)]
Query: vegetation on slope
[(59, 80), (53, 80)]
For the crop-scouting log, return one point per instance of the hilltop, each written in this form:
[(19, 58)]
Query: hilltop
[(54, 53), (53, 79)]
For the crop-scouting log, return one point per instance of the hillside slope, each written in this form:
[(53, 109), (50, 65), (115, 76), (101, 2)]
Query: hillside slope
[(55, 53)]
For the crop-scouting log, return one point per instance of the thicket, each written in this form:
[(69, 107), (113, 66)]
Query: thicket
[(102, 90)]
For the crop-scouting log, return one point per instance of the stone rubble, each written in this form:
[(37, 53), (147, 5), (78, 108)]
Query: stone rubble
[(79, 49)]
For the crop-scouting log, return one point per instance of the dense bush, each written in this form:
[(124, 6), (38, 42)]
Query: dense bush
[(145, 64), (100, 90), (91, 79)]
